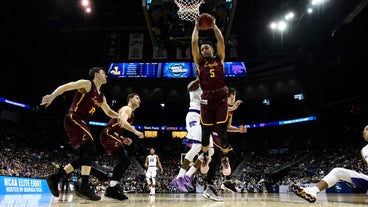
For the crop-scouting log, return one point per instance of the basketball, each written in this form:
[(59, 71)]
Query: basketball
[(205, 21)]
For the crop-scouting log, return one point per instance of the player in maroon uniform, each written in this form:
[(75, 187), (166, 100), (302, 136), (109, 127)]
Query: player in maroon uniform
[(230, 159), (214, 107), (112, 140), (87, 99), (227, 156)]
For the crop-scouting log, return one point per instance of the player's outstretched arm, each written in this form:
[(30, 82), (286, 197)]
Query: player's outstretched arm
[(80, 84), (220, 41), (195, 47)]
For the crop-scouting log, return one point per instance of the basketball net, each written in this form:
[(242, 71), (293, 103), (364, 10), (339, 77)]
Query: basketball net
[(188, 9)]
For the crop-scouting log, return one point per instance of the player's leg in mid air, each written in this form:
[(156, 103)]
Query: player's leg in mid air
[(180, 180)]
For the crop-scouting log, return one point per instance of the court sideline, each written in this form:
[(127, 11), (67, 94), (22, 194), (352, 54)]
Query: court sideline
[(185, 200)]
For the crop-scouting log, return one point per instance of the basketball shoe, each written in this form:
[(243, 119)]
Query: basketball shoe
[(188, 183), (227, 185), (152, 191), (87, 193), (52, 182), (115, 192), (178, 182), (305, 193), (211, 193)]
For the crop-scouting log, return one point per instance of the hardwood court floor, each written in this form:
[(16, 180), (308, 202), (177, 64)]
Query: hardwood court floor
[(184, 200)]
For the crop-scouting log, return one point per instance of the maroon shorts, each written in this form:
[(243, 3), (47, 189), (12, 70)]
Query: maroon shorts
[(214, 108), (217, 143), (110, 140), (77, 130)]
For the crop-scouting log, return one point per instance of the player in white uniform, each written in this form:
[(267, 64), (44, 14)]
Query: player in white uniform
[(183, 181), (151, 163), (358, 181)]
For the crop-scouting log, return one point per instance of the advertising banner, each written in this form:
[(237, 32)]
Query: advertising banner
[(20, 185)]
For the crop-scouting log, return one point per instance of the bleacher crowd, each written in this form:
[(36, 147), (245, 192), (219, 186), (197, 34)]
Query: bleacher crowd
[(28, 153)]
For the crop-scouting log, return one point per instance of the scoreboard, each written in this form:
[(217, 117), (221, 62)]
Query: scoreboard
[(169, 70), (134, 70)]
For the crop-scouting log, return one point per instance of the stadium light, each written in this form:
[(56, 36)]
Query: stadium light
[(289, 16), (281, 25)]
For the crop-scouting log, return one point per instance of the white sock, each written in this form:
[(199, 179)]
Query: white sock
[(113, 183), (191, 171), (181, 173), (315, 189)]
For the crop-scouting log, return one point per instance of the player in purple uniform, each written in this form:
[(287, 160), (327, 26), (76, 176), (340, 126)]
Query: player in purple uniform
[(151, 163), (112, 140), (214, 107), (358, 181), (87, 99), (193, 137)]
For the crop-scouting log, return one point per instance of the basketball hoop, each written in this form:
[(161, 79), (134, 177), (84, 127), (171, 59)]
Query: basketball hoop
[(188, 9)]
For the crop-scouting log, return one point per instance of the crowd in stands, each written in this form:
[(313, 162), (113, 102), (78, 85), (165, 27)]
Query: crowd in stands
[(35, 153)]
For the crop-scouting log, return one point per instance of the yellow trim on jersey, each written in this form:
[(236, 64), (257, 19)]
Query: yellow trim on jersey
[(205, 123), (113, 137), (219, 122), (84, 129), (77, 104), (223, 149), (114, 124)]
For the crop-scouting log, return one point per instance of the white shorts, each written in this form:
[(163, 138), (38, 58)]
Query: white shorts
[(151, 172), (193, 125)]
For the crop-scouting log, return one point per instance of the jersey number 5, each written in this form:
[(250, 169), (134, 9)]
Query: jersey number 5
[(212, 73)]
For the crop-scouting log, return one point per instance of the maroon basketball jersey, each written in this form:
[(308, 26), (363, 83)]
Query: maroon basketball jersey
[(86, 104), (211, 73), (114, 125)]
